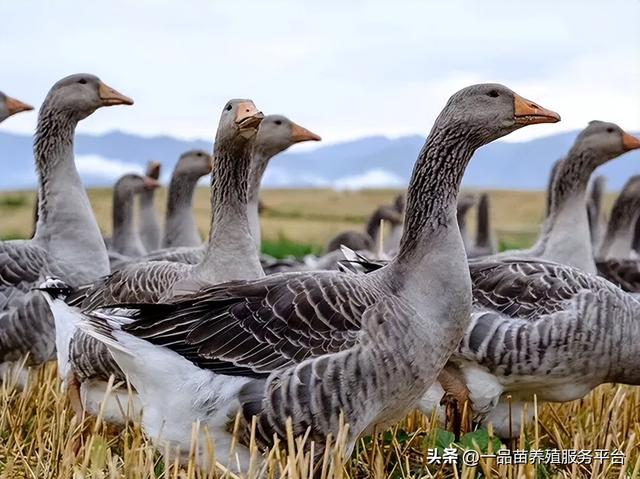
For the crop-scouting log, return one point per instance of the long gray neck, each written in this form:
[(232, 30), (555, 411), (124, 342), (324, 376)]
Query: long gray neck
[(431, 242), (66, 226), (126, 240), (259, 164), (149, 229), (618, 239), (565, 236), (180, 226), (231, 251)]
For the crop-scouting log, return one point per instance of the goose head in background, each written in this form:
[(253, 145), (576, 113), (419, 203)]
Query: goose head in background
[(275, 134), (10, 106)]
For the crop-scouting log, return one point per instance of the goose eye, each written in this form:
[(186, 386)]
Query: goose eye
[(609, 130), (278, 122), (229, 106), (82, 81), (493, 93)]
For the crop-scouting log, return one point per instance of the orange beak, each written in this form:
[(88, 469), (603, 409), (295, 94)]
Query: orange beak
[(300, 134), (111, 97), (530, 113), (630, 142), (16, 106), (247, 115)]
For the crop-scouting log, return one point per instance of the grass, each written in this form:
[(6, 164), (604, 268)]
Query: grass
[(40, 437)]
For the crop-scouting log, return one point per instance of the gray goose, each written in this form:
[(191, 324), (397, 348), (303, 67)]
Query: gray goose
[(67, 241), (180, 226), (485, 243), (366, 240), (595, 210), (10, 106), (276, 133), (126, 240), (309, 344), (84, 364), (465, 203), (149, 228), (614, 260), (565, 235), (392, 242)]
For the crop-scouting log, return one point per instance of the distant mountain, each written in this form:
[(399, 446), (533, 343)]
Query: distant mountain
[(366, 162)]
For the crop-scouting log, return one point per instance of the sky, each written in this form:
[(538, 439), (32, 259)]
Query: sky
[(342, 69)]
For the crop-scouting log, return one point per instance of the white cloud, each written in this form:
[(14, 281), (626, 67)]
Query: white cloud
[(96, 166), (370, 179)]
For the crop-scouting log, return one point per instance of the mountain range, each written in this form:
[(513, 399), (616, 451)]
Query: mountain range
[(374, 161)]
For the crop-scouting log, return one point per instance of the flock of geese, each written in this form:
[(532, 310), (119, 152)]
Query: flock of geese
[(184, 332)]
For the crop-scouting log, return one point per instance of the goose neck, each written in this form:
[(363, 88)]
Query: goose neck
[(66, 224), (124, 231)]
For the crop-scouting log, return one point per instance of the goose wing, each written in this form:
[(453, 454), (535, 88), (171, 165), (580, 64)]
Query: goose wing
[(254, 327)]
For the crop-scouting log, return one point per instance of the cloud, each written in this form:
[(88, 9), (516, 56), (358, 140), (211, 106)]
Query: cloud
[(370, 179), (104, 169)]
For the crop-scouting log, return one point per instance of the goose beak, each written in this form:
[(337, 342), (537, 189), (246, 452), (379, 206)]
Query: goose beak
[(527, 112), (630, 142), (111, 97), (300, 134), (16, 106), (153, 170), (247, 115), (150, 183)]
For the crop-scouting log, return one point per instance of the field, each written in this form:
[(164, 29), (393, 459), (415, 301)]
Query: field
[(41, 438)]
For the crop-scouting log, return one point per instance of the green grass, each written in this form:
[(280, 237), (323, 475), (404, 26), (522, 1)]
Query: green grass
[(283, 248), (13, 200)]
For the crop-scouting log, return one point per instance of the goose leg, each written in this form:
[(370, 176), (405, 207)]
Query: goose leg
[(73, 392), (456, 399)]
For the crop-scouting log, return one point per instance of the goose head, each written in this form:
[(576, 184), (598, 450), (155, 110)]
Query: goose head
[(606, 140), (81, 94), (276, 133), (194, 164), (153, 169), (488, 111), (10, 106), (239, 119)]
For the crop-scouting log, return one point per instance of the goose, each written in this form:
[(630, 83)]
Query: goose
[(180, 226), (149, 229), (366, 240), (485, 243), (549, 191), (67, 242), (308, 345), (126, 240), (565, 236), (615, 261), (276, 133), (84, 364), (392, 242), (10, 106), (465, 203), (595, 208)]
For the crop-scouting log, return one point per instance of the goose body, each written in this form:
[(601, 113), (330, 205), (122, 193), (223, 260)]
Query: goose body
[(307, 345), (67, 241)]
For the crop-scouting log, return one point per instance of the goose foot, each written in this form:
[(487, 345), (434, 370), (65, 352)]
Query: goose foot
[(456, 400)]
